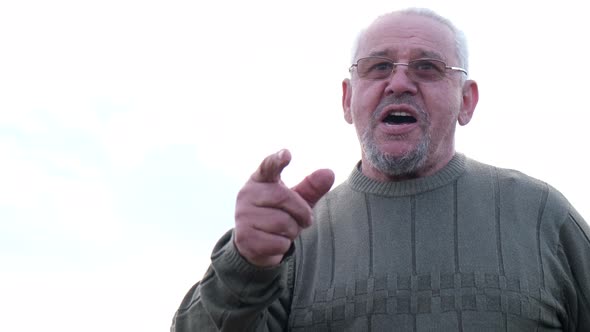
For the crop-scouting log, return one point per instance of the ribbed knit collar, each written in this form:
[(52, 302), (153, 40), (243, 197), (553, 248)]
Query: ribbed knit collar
[(359, 182)]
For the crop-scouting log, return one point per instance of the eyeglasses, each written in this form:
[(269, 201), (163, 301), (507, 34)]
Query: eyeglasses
[(419, 70)]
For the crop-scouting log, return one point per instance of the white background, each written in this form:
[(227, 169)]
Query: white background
[(127, 127)]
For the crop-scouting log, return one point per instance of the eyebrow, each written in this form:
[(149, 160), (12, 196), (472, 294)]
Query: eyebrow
[(379, 53), (430, 54), (421, 54)]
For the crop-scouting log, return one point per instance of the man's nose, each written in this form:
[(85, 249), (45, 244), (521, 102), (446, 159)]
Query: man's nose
[(399, 82)]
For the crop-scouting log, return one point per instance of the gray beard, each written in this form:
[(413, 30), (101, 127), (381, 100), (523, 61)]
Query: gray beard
[(395, 166), (407, 165)]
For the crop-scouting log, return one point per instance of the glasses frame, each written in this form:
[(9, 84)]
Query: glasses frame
[(407, 64)]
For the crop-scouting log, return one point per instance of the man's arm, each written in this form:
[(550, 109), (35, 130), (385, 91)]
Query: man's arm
[(246, 287), (575, 247), (237, 296)]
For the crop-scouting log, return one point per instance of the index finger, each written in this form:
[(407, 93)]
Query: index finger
[(271, 167)]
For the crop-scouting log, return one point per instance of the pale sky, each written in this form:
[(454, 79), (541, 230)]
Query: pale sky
[(127, 128)]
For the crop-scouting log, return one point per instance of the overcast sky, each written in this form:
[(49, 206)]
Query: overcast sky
[(127, 127)]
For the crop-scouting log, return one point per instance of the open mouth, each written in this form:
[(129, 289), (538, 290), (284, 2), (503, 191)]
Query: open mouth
[(399, 118)]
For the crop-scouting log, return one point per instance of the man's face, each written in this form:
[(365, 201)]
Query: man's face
[(407, 127)]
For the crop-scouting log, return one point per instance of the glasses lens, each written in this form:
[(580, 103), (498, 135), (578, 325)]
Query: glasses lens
[(374, 68), (421, 70), (427, 70)]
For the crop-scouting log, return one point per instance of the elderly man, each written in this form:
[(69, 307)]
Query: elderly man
[(419, 238)]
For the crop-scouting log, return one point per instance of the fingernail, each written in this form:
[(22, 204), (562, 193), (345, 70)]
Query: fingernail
[(281, 153)]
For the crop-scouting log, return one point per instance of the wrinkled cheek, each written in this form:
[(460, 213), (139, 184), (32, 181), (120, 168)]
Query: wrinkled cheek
[(364, 101), (367, 97), (360, 118), (443, 132)]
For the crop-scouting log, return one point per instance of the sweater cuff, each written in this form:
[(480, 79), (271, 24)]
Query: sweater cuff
[(246, 281)]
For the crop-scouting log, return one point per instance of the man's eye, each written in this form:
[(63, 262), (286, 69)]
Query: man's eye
[(382, 66), (425, 65)]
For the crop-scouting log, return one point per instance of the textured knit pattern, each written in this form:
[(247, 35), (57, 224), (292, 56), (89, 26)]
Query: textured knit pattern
[(471, 248)]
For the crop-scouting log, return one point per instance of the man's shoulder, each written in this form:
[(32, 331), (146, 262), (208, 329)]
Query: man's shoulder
[(518, 184), (505, 176)]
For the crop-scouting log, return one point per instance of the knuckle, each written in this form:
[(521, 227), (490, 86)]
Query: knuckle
[(241, 214), (240, 236), (304, 217), (280, 195), (289, 229), (244, 192), (263, 195)]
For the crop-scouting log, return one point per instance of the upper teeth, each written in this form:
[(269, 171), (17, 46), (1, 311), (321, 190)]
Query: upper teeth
[(400, 114)]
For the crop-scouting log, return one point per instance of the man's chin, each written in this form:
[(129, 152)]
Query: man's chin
[(397, 152), (396, 158), (398, 162)]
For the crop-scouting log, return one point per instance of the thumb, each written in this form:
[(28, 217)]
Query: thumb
[(315, 185)]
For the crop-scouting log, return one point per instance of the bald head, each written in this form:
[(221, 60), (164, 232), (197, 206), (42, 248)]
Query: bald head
[(457, 37)]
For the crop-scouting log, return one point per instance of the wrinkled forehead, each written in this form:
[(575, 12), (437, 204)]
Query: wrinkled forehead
[(406, 37)]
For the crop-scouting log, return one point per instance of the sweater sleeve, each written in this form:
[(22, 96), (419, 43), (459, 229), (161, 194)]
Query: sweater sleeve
[(575, 248), (237, 296)]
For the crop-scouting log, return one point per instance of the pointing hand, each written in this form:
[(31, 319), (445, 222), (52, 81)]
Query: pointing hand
[(269, 215)]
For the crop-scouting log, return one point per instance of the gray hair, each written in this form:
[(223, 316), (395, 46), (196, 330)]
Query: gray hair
[(459, 36)]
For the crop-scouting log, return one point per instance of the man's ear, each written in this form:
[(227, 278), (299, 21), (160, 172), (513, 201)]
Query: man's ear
[(346, 96), (470, 98)]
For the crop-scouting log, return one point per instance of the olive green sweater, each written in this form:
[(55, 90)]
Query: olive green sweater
[(471, 248)]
